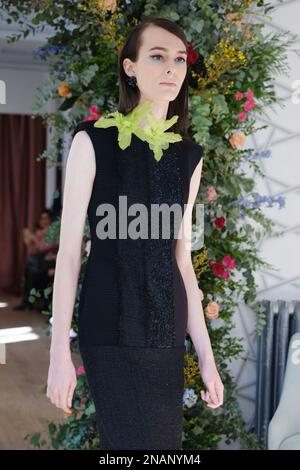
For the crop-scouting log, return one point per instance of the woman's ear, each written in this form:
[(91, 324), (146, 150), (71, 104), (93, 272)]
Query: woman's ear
[(128, 67)]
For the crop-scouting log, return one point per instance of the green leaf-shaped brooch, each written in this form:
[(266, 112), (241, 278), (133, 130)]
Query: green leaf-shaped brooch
[(154, 132)]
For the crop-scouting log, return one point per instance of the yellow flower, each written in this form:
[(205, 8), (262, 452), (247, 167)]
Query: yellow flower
[(191, 371), (223, 58)]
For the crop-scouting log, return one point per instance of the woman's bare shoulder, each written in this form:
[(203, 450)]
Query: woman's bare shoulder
[(82, 154), (87, 126)]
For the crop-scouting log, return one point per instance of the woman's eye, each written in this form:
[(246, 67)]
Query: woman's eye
[(159, 55), (156, 55)]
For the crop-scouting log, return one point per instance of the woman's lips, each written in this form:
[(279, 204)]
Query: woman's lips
[(168, 84)]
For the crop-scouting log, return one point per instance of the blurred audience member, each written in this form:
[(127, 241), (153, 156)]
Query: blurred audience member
[(40, 264)]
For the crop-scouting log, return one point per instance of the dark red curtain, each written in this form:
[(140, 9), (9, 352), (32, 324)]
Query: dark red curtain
[(22, 191)]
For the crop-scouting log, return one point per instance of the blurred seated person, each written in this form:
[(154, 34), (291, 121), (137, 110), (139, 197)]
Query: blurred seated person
[(41, 259)]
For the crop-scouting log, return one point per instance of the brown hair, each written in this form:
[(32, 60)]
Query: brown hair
[(129, 97), (43, 211)]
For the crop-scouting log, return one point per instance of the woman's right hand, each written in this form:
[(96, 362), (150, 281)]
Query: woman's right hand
[(62, 381)]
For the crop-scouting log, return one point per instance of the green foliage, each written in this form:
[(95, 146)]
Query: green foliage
[(77, 431), (234, 56)]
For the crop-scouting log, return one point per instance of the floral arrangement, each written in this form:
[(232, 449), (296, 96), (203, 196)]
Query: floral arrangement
[(231, 69)]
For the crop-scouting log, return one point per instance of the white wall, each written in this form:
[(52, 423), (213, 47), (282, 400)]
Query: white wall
[(282, 172), (22, 75)]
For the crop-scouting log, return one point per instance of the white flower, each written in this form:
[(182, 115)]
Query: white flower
[(189, 397), (88, 247)]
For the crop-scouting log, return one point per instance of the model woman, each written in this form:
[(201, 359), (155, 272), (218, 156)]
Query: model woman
[(139, 295)]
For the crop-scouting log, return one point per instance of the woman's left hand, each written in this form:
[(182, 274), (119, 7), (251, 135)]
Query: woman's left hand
[(215, 388)]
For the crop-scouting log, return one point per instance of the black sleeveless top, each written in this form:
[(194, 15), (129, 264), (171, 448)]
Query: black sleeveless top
[(133, 293)]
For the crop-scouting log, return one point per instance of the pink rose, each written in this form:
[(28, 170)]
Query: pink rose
[(229, 262), (225, 274), (80, 370), (242, 116), (93, 109), (239, 95), (90, 118), (211, 193), (94, 113), (249, 105), (250, 95)]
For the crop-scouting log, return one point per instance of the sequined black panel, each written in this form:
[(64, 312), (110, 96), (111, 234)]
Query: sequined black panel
[(145, 265), (163, 188)]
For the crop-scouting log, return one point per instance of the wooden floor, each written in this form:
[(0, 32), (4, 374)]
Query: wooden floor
[(24, 406)]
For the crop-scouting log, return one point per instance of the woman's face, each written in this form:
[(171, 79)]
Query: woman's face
[(44, 219), (162, 57)]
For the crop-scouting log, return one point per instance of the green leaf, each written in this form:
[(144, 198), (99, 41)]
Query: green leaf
[(68, 103)]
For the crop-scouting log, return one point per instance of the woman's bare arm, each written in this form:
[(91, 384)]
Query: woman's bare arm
[(196, 325), (80, 174)]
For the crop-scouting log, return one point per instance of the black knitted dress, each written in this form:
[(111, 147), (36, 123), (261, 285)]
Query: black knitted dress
[(133, 304)]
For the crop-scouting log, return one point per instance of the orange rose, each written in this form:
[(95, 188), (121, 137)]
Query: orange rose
[(63, 89), (110, 5), (237, 139), (212, 310), (233, 18)]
